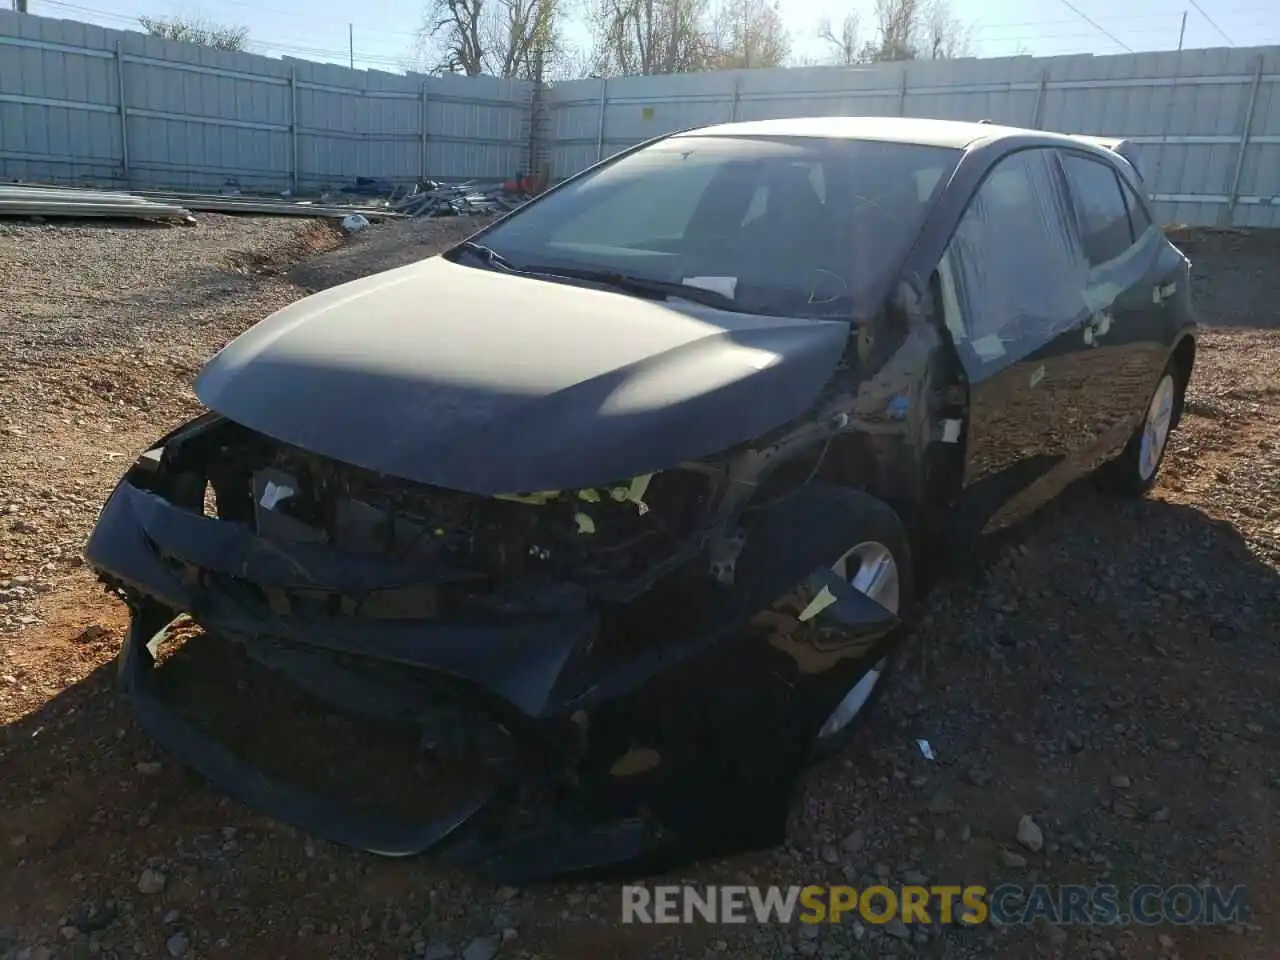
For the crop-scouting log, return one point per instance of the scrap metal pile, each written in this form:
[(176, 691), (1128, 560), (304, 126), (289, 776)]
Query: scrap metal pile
[(432, 199), (373, 200), (21, 200), (32, 200)]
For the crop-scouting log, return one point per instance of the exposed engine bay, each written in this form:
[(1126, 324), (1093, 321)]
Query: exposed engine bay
[(588, 538)]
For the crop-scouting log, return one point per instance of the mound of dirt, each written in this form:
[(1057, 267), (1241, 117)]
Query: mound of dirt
[(388, 245)]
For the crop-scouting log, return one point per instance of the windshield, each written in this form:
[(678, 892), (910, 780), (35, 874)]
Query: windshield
[(798, 226)]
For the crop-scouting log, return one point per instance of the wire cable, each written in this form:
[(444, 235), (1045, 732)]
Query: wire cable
[(1101, 30), (1200, 10)]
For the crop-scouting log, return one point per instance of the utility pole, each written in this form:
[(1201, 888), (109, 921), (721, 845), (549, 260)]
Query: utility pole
[(1168, 110), (351, 43)]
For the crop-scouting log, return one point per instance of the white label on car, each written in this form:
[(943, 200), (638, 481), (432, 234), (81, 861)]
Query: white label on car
[(725, 286), (989, 347), (273, 493)]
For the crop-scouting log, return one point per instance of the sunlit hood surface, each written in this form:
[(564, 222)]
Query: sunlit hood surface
[(494, 383)]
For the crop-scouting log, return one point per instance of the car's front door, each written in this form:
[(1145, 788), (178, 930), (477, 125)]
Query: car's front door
[(1124, 329), (1012, 282)]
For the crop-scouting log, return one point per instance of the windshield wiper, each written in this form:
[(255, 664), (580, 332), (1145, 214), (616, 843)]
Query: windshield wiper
[(641, 286), (628, 283), (488, 255)]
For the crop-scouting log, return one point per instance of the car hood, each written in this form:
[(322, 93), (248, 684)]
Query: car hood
[(491, 382)]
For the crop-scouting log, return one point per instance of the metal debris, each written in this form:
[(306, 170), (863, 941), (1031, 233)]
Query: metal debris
[(431, 199), (31, 201), (281, 206), (426, 199)]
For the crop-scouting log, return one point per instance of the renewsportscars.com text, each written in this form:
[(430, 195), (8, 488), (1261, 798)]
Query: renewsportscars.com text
[(1007, 904)]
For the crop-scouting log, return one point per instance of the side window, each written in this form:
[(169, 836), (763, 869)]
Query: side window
[(1138, 216), (1100, 208), (1013, 268)]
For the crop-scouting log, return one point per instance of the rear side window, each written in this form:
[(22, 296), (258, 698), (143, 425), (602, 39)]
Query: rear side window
[(1100, 208), (1138, 215)]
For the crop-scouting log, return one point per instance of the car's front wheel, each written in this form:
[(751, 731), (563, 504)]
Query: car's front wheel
[(1134, 472), (878, 565)]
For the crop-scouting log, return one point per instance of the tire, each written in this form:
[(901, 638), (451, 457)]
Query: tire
[(864, 530), (1134, 471)]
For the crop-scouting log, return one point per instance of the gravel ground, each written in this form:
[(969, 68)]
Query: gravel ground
[(1111, 671)]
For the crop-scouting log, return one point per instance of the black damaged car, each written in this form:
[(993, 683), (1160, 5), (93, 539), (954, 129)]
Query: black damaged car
[(626, 497)]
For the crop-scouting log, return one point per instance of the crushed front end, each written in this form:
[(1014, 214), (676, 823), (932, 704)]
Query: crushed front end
[(583, 655)]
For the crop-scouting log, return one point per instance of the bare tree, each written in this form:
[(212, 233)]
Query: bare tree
[(897, 24), (943, 35), (844, 45), (750, 34), (502, 38), (915, 30), (683, 36), (197, 31), (650, 37)]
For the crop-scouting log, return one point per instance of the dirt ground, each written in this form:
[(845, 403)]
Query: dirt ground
[(1113, 672)]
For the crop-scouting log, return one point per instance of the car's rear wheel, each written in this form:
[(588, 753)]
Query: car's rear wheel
[(1134, 472)]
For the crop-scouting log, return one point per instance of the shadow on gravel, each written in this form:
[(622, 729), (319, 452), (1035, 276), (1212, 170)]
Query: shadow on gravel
[(385, 247), (1104, 637)]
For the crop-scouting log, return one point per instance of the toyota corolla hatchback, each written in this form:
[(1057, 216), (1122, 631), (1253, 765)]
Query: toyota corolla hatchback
[(625, 498)]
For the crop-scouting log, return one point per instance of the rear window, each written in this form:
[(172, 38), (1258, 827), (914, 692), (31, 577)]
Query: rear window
[(790, 226)]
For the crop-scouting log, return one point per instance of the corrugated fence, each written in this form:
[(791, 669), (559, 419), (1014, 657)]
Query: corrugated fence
[(80, 103), (1207, 121)]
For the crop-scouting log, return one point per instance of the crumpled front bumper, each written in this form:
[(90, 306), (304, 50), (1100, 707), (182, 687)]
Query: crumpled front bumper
[(138, 530), (727, 716), (142, 542), (219, 765)]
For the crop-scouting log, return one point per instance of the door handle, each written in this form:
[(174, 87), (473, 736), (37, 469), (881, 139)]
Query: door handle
[(1095, 327), (1163, 291)]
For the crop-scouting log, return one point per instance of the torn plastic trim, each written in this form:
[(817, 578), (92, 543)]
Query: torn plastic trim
[(554, 847), (230, 549), (863, 622), (315, 814), (518, 660), (632, 491)]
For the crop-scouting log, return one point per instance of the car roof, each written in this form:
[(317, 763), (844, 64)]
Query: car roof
[(957, 134)]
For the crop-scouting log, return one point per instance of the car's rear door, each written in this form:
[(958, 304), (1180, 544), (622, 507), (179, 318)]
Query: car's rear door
[(1125, 327), (1012, 282), (1171, 292)]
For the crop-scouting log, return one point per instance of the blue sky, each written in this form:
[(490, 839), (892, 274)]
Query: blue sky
[(384, 29)]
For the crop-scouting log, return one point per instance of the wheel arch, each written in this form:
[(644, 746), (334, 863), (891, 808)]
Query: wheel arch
[(1183, 360)]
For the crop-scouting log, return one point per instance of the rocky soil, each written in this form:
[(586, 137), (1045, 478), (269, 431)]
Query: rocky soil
[(1112, 673)]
